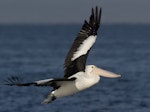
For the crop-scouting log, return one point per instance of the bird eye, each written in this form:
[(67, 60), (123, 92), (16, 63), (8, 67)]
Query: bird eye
[(92, 66)]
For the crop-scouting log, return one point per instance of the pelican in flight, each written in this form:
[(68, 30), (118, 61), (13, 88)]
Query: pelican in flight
[(77, 76)]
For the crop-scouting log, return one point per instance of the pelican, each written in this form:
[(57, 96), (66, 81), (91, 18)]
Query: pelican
[(77, 76)]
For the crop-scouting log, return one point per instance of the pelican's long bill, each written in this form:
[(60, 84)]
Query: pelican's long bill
[(104, 73)]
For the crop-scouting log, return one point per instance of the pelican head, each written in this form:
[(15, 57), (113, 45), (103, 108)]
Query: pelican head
[(92, 69)]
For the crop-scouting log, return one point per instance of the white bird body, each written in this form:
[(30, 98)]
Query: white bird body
[(66, 89), (77, 76), (83, 81)]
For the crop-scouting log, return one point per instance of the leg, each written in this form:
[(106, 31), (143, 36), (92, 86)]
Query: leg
[(49, 98)]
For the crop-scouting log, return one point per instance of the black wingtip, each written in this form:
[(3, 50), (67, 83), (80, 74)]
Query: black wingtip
[(13, 80), (16, 81), (93, 24), (100, 13), (95, 19)]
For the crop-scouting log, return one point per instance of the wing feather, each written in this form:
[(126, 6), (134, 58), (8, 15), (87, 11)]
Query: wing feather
[(76, 58), (55, 83)]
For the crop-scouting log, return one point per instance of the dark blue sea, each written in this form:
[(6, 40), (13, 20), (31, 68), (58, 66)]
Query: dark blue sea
[(35, 52)]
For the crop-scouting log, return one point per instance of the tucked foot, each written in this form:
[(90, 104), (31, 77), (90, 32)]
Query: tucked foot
[(49, 99)]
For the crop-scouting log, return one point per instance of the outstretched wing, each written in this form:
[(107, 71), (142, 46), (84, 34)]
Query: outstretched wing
[(55, 83), (76, 58)]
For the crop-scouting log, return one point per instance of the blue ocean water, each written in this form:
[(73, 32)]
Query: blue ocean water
[(35, 52)]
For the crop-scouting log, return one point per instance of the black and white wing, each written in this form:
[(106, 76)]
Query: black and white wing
[(76, 58), (55, 83)]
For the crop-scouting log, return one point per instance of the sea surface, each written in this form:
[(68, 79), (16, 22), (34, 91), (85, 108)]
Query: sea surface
[(35, 52)]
